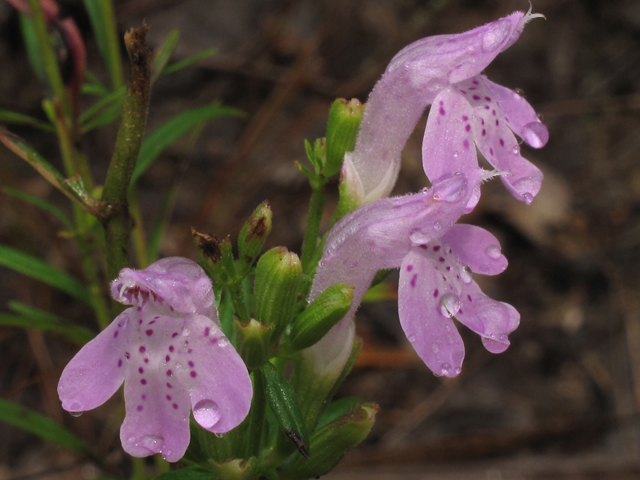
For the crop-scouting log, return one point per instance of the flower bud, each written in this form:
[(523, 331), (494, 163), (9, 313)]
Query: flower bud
[(332, 441), (342, 130), (278, 276), (216, 257), (320, 316), (253, 343), (252, 237)]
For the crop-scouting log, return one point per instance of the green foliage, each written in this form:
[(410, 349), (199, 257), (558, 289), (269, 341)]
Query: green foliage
[(44, 272), (33, 422)]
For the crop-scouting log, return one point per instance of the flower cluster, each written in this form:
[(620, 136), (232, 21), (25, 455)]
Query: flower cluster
[(172, 356), (416, 233)]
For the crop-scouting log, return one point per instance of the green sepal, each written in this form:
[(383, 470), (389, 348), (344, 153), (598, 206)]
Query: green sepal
[(331, 442), (283, 404), (342, 130), (188, 473), (252, 342), (252, 236), (320, 316), (277, 278), (236, 469)]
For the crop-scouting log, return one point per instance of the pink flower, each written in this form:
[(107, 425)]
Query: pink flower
[(172, 356), (445, 71), (436, 260)]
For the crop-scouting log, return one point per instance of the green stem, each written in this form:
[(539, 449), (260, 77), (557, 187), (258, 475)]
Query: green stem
[(236, 293), (139, 239), (111, 31), (309, 245), (254, 431), (117, 221)]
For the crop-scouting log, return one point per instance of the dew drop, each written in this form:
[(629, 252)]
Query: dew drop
[(458, 370), (540, 116), (519, 92), (528, 198), (493, 251), (435, 347), (223, 342), (515, 150), (449, 304), (411, 338), (220, 435), (437, 226), (206, 413), (465, 275), (445, 369), (185, 332), (153, 443), (167, 454), (75, 414)]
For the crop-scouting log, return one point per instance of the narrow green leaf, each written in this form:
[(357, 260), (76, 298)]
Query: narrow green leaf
[(33, 422), (39, 270), (31, 45), (166, 134), (105, 101), (93, 85), (164, 53), (41, 203), (337, 409), (189, 61), (110, 115), (30, 317), (104, 28), (283, 404), (7, 116)]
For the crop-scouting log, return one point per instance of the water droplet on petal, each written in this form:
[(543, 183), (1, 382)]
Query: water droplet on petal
[(75, 414), (519, 92), (449, 304), (167, 454), (223, 342), (435, 347), (153, 443), (411, 338), (528, 198), (185, 332), (540, 116), (465, 275), (535, 134), (458, 370), (206, 413), (445, 369), (493, 251), (220, 435), (437, 226), (515, 150)]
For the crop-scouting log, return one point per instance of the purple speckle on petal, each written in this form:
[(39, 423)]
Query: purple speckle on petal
[(493, 112), (435, 293), (501, 142), (469, 298), (169, 373), (491, 151), (488, 99), (487, 107), (484, 132), (144, 396), (497, 122), (142, 349), (139, 408), (193, 374), (146, 360), (143, 381), (206, 331), (476, 97), (413, 280), (190, 351), (139, 321), (127, 355), (119, 363), (467, 127), (169, 397), (190, 363), (171, 349), (175, 406), (141, 370), (115, 334), (475, 82), (175, 334), (448, 269), (139, 309), (423, 247), (149, 332), (466, 144), (169, 385), (441, 259), (464, 118), (409, 268), (167, 358), (442, 112), (436, 248)]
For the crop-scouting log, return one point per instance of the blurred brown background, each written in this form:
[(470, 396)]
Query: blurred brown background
[(562, 402)]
